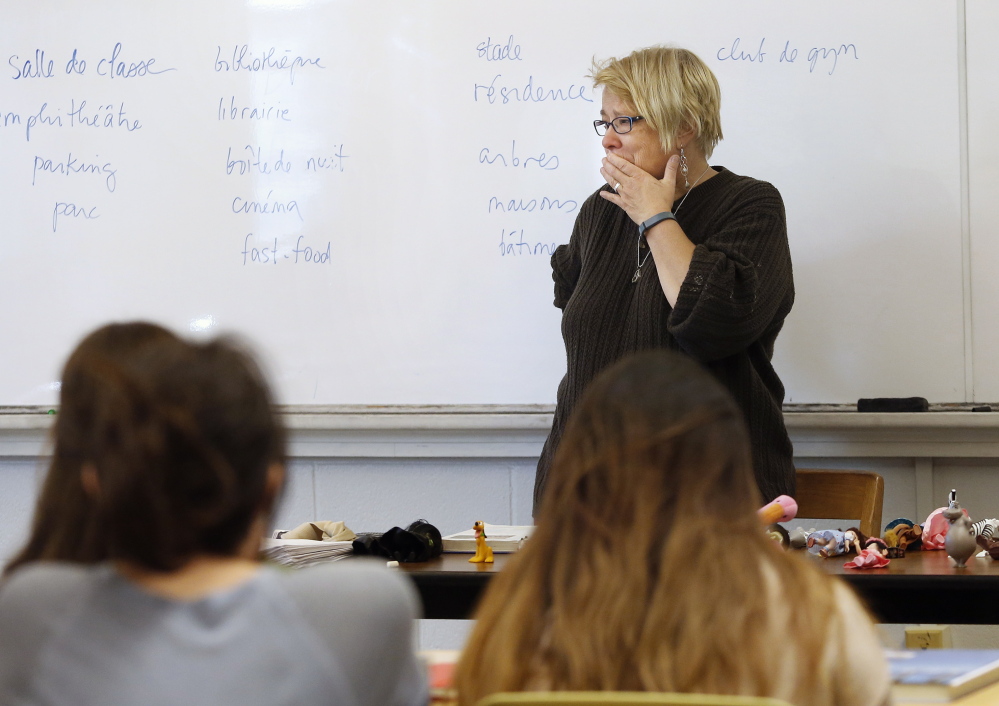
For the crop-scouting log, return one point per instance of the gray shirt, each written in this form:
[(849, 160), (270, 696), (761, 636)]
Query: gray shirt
[(339, 634)]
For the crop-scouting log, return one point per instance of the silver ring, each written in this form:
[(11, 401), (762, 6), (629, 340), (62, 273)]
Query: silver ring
[(617, 186)]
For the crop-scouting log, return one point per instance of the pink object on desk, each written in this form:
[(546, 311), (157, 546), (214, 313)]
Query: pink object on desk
[(782, 509)]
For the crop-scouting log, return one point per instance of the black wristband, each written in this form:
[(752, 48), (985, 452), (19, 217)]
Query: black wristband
[(658, 218)]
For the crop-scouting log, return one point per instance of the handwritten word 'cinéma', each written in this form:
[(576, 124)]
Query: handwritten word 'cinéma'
[(267, 207), (71, 165), (530, 205), (487, 156), (528, 93), (264, 111), (829, 55), (242, 59), (114, 65), (499, 52), (513, 243), (269, 253), (110, 115)]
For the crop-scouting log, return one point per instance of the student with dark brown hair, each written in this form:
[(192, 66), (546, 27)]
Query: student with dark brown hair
[(649, 569), (182, 466)]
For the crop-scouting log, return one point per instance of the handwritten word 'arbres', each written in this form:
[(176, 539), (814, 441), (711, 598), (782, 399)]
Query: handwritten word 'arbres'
[(531, 205), (267, 60), (74, 166), (105, 116), (528, 93), (542, 160), (266, 207)]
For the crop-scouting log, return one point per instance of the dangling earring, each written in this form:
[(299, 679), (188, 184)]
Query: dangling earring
[(683, 169)]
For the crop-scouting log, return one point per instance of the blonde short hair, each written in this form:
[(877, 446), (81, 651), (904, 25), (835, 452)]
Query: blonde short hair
[(671, 88)]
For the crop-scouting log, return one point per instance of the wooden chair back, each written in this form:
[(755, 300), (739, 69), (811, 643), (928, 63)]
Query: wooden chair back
[(621, 698), (824, 494)]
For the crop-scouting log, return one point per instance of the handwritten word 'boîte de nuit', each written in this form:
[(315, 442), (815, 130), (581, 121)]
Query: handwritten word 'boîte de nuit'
[(78, 115), (829, 56), (270, 254), (114, 65), (253, 160), (528, 92), (270, 59)]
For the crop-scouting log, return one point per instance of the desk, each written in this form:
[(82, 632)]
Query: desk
[(921, 588)]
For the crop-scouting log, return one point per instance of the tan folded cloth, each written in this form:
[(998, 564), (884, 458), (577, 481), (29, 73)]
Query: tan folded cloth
[(323, 530)]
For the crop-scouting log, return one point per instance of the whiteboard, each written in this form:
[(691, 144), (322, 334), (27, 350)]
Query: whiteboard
[(370, 192)]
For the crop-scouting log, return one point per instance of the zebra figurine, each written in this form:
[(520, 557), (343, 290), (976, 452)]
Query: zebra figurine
[(986, 528)]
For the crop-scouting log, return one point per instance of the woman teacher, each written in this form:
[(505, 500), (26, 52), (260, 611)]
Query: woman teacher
[(676, 254)]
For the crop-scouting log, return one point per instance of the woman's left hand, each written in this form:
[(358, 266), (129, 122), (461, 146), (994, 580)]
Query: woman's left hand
[(639, 193)]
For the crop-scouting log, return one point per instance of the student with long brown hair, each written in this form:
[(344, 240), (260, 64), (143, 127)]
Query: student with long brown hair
[(63, 527), (182, 467), (649, 570)]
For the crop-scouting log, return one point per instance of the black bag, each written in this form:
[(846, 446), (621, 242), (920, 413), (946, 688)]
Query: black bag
[(420, 541)]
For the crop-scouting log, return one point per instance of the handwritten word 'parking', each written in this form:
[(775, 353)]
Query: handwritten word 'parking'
[(71, 165), (486, 156), (301, 253), (516, 245), (528, 93), (267, 207), (829, 56), (242, 59), (531, 205)]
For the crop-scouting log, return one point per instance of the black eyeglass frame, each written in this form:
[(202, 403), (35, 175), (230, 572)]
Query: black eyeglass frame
[(598, 124)]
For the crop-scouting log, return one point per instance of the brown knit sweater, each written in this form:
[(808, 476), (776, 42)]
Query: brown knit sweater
[(730, 309)]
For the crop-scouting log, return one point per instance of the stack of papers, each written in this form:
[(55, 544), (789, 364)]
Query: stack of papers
[(500, 538), (299, 553)]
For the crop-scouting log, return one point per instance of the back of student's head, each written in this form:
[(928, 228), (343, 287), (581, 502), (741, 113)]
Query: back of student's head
[(655, 442), (182, 444), (63, 527), (648, 563)]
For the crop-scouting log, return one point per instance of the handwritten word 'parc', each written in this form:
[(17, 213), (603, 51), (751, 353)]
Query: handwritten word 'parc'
[(71, 165), (499, 52), (528, 93), (266, 207), (242, 59), (486, 156), (828, 55), (72, 210)]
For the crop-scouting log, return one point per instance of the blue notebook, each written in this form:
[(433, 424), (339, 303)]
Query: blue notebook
[(938, 676)]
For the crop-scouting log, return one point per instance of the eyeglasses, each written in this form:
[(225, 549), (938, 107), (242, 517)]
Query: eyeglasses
[(621, 125)]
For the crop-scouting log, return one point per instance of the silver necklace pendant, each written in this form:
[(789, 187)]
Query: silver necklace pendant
[(638, 275)]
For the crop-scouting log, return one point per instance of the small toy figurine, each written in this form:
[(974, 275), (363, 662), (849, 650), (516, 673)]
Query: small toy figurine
[(960, 540), (799, 537), (852, 539), (900, 535), (483, 552), (827, 543), (780, 535)]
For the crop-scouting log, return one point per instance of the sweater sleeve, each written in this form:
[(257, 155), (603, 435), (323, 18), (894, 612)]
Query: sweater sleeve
[(739, 283), (567, 261)]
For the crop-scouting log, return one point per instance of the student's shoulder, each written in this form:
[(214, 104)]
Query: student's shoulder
[(44, 583), (367, 585)]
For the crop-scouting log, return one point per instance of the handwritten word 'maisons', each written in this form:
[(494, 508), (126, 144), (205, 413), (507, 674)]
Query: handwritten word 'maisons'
[(72, 165), (829, 55), (510, 159), (242, 59), (528, 93), (301, 253), (499, 52), (530, 205)]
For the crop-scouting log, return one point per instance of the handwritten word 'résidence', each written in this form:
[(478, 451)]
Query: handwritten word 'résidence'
[(242, 59), (528, 93)]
